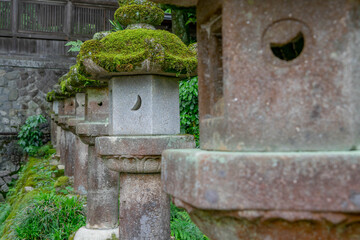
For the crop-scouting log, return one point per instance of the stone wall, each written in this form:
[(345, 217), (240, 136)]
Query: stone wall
[(24, 83)]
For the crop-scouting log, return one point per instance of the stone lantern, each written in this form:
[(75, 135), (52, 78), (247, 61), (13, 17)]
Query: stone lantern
[(279, 109), (88, 121), (81, 152), (143, 67), (67, 139), (102, 183)]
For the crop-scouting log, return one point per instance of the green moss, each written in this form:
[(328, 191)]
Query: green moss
[(126, 50), (62, 182), (139, 13), (37, 173), (71, 83), (50, 96), (143, 2)]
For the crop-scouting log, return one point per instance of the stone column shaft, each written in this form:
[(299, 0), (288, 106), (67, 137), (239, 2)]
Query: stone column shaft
[(81, 167), (70, 153), (102, 196), (144, 211)]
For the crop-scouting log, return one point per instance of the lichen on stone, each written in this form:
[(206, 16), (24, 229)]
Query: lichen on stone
[(129, 50), (100, 35)]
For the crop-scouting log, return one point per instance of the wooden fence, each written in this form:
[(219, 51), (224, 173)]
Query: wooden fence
[(42, 27)]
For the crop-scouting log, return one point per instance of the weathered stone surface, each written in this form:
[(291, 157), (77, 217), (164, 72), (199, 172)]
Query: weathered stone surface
[(141, 145), (2, 182), (4, 188), (144, 207), (62, 146), (12, 75), (15, 176), (311, 181), (88, 131), (258, 225), (2, 199), (268, 104), (69, 106), (13, 94), (53, 128), (2, 81), (144, 104), (4, 173), (102, 194), (70, 153), (81, 167), (7, 179), (80, 105), (97, 104), (96, 234)]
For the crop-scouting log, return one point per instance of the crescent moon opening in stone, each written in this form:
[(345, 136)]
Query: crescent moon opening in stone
[(137, 104)]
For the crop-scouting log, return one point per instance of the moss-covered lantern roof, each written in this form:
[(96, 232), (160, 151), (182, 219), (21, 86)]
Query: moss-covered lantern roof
[(139, 49)]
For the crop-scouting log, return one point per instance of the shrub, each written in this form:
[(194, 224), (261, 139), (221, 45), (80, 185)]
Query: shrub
[(189, 113), (51, 216), (30, 135)]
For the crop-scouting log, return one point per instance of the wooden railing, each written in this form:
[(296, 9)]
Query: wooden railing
[(42, 27)]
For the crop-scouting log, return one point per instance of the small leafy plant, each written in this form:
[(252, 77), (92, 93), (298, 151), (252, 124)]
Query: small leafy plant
[(116, 26), (189, 112), (30, 135), (182, 228), (75, 45)]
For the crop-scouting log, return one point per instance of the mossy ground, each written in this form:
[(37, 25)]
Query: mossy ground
[(41, 177)]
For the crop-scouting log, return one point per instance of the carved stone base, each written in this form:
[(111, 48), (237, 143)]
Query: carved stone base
[(144, 206)]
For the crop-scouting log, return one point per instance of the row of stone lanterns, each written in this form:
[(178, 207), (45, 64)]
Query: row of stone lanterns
[(114, 130)]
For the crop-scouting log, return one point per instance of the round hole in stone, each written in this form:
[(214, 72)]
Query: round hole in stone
[(100, 104), (290, 50), (137, 104)]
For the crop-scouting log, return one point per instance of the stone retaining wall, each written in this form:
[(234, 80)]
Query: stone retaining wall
[(24, 83)]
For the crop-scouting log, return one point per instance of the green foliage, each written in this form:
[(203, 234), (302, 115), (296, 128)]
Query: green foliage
[(75, 45), (45, 151), (40, 213), (116, 26), (30, 135), (189, 112), (51, 216), (113, 237), (4, 213), (182, 228)]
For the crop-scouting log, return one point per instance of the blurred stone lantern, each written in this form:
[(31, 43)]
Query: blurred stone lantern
[(279, 109), (102, 183), (143, 67), (88, 120), (69, 110)]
